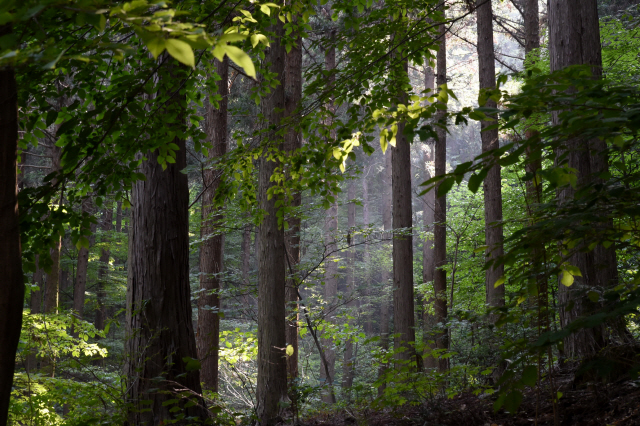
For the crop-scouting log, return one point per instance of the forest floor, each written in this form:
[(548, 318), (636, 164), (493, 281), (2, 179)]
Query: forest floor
[(583, 404)]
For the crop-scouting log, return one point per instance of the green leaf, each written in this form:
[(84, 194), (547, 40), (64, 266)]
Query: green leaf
[(181, 51), (445, 186), (241, 58), (567, 279), (290, 350), (530, 375), (513, 401), (499, 282), (156, 46)]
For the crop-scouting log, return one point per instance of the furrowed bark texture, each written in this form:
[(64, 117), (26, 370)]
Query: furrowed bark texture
[(11, 284), (272, 366), (292, 142), (492, 184), (159, 326), (440, 214), (574, 38), (402, 218), (212, 248)]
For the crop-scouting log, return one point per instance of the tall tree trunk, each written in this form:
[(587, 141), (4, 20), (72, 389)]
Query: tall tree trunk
[(385, 273), (402, 218), (440, 213), (212, 248), (292, 142), (272, 365), (349, 361), (103, 268), (492, 184), (11, 284), (159, 327), (574, 38)]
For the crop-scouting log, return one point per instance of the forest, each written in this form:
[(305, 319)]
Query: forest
[(319, 212)]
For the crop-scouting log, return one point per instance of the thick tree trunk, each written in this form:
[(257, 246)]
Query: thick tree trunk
[(212, 248), (349, 361), (440, 214), (245, 247), (292, 142), (103, 269), (385, 273), (492, 184), (574, 39), (402, 218), (272, 366), (159, 326), (11, 284), (119, 216)]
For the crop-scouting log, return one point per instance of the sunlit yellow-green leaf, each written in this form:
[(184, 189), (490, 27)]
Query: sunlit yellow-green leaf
[(181, 51), (242, 59)]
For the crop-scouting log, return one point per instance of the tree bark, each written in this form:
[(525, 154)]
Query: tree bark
[(402, 218), (11, 284), (212, 248), (272, 366), (440, 213), (492, 184), (574, 39), (292, 142), (159, 328)]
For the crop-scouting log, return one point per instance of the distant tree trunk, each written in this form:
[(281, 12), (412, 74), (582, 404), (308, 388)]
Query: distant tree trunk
[(11, 284), (119, 216), (36, 296), (385, 274), (81, 273), (272, 365), (440, 213), (574, 38), (52, 286), (103, 268), (492, 184), (245, 247), (330, 293), (349, 361), (366, 220), (534, 164), (330, 230), (159, 327), (428, 261), (292, 142), (212, 248)]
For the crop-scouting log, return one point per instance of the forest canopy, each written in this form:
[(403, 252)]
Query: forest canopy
[(336, 211)]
